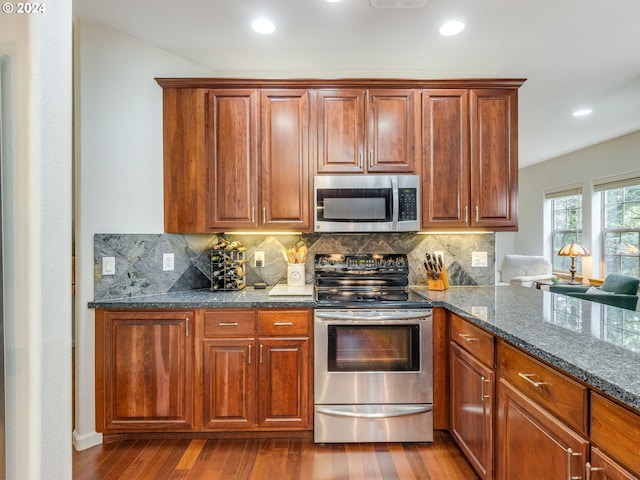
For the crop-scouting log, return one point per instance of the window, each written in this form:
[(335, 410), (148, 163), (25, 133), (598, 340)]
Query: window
[(567, 228), (621, 229)]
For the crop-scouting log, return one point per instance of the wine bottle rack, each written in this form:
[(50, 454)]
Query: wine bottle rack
[(228, 272)]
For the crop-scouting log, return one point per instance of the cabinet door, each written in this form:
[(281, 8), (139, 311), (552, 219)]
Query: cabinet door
[(340, 130), (185, 164), (472, 386), (229, 384), (494, 158), (445, 137), (284, 391), (232, 137), (532, 443), (603, 467), (393, 130), (144, 378), (285, 177)]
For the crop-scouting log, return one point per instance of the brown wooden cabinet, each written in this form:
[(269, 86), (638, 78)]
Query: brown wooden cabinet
[(470, 164), (472, 393), (603, 467), (257, 369), (144, 370), (228, 367), (367, 130), (236, 158), (532, 443), (541, 420), (616, 431), (253, 187)]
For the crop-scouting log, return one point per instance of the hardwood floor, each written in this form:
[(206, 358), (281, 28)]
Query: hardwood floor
[(271, 459)]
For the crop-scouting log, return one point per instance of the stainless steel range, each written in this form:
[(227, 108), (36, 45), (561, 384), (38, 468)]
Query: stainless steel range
[(373, 352)]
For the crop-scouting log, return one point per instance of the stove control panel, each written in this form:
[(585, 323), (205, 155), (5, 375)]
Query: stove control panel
[(386, 262)]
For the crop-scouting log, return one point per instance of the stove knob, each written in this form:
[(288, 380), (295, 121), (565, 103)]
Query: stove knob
[(322, 261), (400, 262)]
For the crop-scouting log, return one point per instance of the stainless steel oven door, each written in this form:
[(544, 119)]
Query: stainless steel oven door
[(373, 357)]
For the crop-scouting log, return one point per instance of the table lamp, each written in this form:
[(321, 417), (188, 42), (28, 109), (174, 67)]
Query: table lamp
[(573, 250)]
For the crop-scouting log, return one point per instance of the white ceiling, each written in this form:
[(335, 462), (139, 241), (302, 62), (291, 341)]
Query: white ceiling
[(574, 53)]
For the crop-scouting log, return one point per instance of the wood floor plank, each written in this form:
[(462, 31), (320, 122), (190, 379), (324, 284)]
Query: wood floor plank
[(272, 459)]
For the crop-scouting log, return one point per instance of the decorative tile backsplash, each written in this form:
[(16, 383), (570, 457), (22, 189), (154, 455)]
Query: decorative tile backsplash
[(139, 258)]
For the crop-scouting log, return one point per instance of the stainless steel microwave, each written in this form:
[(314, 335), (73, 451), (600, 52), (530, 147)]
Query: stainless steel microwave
[(367, 203)]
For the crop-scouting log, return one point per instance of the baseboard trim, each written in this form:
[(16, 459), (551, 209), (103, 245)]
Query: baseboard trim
[(82, 442)]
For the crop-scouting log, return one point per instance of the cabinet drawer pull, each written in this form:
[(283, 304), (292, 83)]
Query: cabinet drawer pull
[(280, 324), (468, 337), (228, 324), (253, 214), (482, 395), (264, 214), (187, 332), (261, 353), (527, 377), (249, 354), (477, 217), (592, 469), (466, 214), (570, 455)]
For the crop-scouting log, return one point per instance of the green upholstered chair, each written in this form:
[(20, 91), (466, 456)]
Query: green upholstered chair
[(617, 290)]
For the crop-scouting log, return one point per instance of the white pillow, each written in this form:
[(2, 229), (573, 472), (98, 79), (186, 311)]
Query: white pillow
[(597, 291)]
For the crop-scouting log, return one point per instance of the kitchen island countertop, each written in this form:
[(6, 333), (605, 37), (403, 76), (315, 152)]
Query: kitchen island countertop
[(595, 343)]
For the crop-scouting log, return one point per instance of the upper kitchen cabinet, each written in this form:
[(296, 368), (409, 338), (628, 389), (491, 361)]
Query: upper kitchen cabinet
[(367, 130), (236, 158), (470, 158), (258, 159)]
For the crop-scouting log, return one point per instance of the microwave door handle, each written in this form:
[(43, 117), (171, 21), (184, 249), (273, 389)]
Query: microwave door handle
[(395, 203)]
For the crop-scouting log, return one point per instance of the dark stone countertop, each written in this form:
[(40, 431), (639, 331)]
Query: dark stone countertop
[(595, 343)]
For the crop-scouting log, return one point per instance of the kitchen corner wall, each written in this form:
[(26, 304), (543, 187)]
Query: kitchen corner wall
[(139, 258)]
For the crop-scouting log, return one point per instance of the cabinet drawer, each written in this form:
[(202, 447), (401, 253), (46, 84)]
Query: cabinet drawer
[(287, 322), (473, 339), (616, 430), (229, 323), (560, 395)]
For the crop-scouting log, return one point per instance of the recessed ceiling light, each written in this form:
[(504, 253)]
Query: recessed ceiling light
[(264, 26), (582, 113), (452, 27)]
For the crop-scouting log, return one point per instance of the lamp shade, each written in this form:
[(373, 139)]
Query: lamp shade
[(574, 250)]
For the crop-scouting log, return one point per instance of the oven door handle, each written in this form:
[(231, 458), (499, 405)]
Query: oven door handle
[(396, 411), (386, 316)]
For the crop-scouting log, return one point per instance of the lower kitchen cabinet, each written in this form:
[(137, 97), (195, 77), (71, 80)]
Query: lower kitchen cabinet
[(616, 431), (472, 393), (144, 370), (532, 443), (257, 369), (603, 467), (472, 386)]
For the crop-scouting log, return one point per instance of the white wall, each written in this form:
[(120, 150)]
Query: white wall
[(118, 161), (616, 156), (35, 53)]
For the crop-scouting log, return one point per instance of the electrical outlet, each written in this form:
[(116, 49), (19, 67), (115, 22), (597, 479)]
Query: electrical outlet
[(479, 311), (479, 259), (167, 262), (258, 259), (108, 265)]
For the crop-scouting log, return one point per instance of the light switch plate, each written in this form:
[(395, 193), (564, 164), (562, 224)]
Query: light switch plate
[(108, 265), (258, 259), (479, 259)]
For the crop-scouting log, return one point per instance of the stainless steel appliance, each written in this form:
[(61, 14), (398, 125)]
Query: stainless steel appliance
[(367, 203), (373, 361)]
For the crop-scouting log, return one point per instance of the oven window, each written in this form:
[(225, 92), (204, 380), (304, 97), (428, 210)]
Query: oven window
[(374, 348)]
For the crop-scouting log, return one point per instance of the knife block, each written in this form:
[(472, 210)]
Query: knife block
[(440, 283)]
